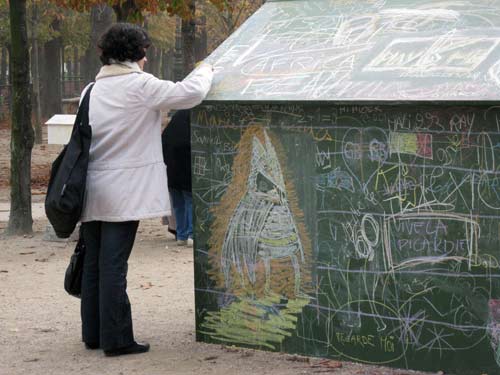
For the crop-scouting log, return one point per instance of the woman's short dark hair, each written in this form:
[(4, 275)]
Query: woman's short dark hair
[(122, 42)]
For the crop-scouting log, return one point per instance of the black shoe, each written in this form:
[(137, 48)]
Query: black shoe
[(91, 346), (134, 348)]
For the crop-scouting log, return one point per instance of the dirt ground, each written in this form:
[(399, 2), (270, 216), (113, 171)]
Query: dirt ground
[(40, 326)]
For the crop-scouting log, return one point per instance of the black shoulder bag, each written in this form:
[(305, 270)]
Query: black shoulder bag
[(68, 175)]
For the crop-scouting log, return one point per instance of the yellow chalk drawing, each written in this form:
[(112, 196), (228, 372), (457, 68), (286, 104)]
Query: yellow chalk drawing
[(259, 249), (253, 322), (403, 143)]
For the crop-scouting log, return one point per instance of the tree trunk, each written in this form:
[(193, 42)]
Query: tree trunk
[(76, 60), (63, 74), (22, 137), (84, 69), (3, 67), (42, 78), (101, 18), (153, 63), (177, 66), (149, 67), (167, 65), (75, 73), (36, 75), (188, 32), (9, 75), (160, 62), (69, 68), (3, 82), (201, 42), (230, 23), (52, 90), (127, 11)]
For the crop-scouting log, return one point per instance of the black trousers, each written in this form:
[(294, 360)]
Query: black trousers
[(105, 307)]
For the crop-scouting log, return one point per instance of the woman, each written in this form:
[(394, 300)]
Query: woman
[(126, 179)]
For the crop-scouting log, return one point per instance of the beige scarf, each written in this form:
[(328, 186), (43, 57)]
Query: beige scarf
[(118, 68)]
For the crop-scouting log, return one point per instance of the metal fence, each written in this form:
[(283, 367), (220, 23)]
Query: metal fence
[(70, 88)]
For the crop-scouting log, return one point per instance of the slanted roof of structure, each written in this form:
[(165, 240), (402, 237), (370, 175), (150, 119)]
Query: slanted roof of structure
[(363, 50)]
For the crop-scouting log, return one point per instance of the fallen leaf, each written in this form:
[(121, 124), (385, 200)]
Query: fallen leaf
[(147, 285), (328, 364), (4, 271), (46, 330), (211, 358), (32, 360), (27, 253), (42, 260), (298, 358)]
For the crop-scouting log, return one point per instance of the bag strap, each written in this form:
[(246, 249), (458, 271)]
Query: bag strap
[(82, 117)]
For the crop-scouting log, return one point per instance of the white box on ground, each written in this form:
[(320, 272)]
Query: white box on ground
[(59, 129)]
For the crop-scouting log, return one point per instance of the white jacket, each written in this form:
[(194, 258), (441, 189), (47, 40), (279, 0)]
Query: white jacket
[(127, 177)]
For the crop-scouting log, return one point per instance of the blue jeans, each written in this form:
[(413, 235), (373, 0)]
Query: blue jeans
[(182, 204)]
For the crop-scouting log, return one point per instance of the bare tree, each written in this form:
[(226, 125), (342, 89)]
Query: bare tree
[(3, 66), (101, 17), (36, 73), (52, 93), (22, 138), (188, 32)]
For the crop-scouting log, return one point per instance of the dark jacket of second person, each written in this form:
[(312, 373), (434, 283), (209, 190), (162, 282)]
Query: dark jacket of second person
[(176, 142)]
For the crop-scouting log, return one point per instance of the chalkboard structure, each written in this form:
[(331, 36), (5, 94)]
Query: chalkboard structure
[(346, 184)]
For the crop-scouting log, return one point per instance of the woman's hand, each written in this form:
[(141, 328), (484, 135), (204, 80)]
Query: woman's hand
[(201, 63)]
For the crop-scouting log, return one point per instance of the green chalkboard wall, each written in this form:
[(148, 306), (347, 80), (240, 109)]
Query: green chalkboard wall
[(360, 232)]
